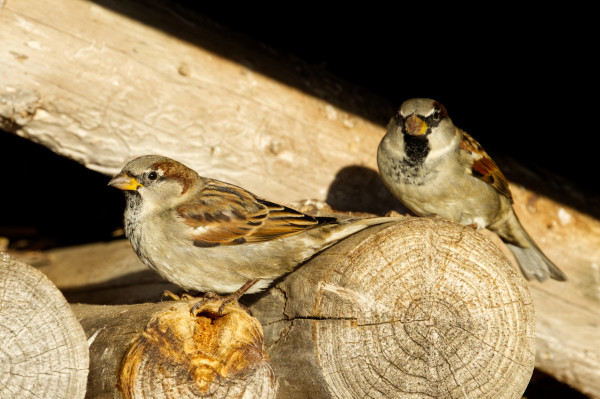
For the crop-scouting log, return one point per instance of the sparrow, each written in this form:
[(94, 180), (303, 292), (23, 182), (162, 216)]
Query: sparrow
[(435, 168), (214, 237)]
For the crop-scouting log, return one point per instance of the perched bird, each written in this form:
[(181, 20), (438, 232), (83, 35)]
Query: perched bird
[(206, 235), (435, 168)]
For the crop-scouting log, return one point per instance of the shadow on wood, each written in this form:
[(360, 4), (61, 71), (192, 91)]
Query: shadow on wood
[(360, 189)]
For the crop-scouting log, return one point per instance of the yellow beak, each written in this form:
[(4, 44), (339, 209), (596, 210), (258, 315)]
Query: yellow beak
[(415, 126), (125, 182)]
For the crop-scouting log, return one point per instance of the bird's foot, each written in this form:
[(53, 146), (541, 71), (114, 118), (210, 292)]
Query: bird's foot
[(226, 300), (212, 297)]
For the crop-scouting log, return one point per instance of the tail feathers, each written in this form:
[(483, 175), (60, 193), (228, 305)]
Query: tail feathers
[(347, 227), (534, 264)]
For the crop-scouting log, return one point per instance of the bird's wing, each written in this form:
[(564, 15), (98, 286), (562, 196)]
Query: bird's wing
[(224, 214), (483, 167)]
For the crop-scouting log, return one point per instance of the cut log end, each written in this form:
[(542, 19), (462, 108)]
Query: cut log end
[(44, 351), (423, 306), (205, 356)]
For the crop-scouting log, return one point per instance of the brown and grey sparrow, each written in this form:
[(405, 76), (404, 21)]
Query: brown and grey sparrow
[(206, 235), (435, 168)]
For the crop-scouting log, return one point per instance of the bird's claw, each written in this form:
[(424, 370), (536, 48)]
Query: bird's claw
[(211, 297)]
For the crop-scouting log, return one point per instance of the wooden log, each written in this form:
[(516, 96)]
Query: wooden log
[(568, 336), (104, 274), (44, 351), (161, 351), (420, 308), (99, 87), (567, 328)]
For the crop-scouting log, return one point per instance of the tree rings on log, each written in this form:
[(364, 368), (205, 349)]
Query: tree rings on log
[(43, 350), (420, 308), (209, 356)]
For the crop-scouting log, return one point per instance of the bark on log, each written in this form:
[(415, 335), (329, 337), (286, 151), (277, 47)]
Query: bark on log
[(44, 352), (161, 351)]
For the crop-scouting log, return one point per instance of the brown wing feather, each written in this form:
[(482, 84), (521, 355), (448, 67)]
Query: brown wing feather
[(283, 222), (224, 214), (484, 167)]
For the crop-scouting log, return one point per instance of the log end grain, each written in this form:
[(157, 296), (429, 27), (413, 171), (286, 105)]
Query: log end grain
[(44, 352), (205, 356), (422, 307)]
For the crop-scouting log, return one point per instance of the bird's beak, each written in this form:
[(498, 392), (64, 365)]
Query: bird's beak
[(415, 126), (123, 181)]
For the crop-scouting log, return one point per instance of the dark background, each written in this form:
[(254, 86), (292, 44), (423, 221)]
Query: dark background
[(521, 81)]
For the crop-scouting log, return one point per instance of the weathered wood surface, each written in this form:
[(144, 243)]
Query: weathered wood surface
[(103, 274), (43, 350), (160, 350), (568, 327), (419, 307), (98, 87)]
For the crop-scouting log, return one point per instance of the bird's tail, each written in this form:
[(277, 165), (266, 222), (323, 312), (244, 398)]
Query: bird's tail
[(534, 264), (347, 227)]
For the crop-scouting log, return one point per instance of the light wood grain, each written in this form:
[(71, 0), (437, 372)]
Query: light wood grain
[(567, 332), (106, 88), (44, 351), (420, 307)]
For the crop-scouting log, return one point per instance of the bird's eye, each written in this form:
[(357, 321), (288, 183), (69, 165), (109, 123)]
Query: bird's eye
[(436, 114), (152, 176)]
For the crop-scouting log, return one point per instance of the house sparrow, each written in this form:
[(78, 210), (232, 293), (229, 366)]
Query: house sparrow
[(206, 235), (435, 168)]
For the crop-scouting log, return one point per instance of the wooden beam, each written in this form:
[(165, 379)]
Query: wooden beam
[(101, 87)]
